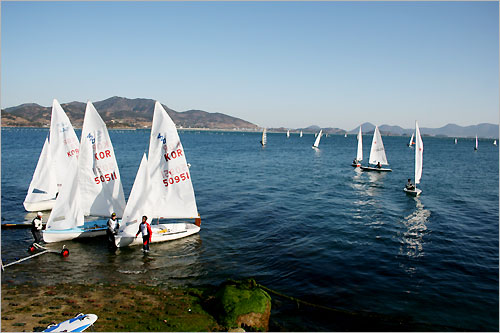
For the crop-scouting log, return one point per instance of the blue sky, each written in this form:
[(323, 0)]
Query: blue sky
[(292, 64)]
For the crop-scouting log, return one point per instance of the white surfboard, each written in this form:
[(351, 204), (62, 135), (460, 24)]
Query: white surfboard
[(77, 324)]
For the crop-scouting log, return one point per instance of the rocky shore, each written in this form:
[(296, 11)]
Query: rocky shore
[(232, 306)]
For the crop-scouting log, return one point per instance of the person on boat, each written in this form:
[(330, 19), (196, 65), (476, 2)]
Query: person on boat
[(146, 231), (379, 166), (36, 228), (112, 230), (409, 185), (355, 161)]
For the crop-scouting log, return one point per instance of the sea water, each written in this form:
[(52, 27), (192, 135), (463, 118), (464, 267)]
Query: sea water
[(302, 222)]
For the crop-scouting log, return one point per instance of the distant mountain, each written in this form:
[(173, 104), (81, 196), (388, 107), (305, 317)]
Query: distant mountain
[(121, 112), (484, 130)]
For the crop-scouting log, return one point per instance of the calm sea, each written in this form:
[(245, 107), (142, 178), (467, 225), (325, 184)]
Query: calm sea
[(305, 223)]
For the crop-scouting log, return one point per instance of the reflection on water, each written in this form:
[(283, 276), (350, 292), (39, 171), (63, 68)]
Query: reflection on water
[(415, 229)]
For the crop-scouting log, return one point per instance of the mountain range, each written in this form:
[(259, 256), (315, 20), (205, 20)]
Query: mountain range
[(120, 112)]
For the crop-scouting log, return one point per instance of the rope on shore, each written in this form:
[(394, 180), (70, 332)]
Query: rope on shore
[(21, 260)]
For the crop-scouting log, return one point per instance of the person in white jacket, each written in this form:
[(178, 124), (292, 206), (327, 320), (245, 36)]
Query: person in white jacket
[(36, 227)]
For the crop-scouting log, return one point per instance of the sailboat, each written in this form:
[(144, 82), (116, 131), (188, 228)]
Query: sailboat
[(377, 153), (455, 140), (288, 134), (359, 154), (300, 133), (93, 188), (318, 137), (475, 147), (60, 147), (263, 141), (345, 135), (494, 142), (162, 188), (419, 154), (409, 144)]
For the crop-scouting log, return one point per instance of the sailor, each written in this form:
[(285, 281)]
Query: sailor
[(379, 166), (112, 230), (146, 231), (36, 228), (409, 185)]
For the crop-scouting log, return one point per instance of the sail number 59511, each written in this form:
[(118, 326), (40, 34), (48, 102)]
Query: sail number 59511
[(176, 179), (105, 178)]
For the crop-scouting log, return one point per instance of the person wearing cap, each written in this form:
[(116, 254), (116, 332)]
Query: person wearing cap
[(146, 231), (112, 230), (36, 227)]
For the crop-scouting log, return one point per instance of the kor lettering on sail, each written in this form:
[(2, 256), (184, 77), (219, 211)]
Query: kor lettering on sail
[(173, 155)]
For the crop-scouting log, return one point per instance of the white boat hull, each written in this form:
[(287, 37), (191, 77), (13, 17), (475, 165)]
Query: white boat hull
[(414, 192), (366, 168), (161, 233), (89, 229), (40, 205)]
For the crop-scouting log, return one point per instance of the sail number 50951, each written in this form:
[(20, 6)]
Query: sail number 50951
[(176, 179), (105, 178)]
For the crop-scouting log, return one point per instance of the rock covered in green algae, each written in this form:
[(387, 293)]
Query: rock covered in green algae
[(243, 304)]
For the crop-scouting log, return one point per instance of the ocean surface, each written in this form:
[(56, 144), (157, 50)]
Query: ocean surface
[(304, 223)]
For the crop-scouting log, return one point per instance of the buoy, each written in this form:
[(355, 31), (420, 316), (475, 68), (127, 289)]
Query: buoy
[(65, 252)]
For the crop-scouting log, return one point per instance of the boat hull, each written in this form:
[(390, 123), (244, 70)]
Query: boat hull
[(89, 229), (414, 193), (366, 168), (161, 233), (40, 205)]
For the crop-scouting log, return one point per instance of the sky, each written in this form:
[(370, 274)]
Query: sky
[(290, 64)]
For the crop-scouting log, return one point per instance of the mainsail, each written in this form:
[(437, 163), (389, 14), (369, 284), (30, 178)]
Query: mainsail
[(359, 155), (100, 183), (377, 152), (264, 137), (419, 154), (171, 185), (318, 137), (43, 185)]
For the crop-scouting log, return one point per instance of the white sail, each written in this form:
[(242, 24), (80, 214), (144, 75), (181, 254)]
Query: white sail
[(318, 137), (101, 189), (359, 155), (170, 178), (419, 154), (495, 142), (300, 133), (455, 141), (377, 152), (411, 140), (288, 133), (43, 185), (264, 137), (476, 142), (139, 202), (63, 143), (66, 213)]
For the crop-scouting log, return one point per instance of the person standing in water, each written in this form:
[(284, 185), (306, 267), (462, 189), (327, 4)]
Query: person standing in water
[(146, 231), (112, 230), (36, 227)]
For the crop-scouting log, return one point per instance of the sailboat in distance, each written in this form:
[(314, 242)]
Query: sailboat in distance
[(419, 154), (60, 147), (263, 141), (359, 154), (318, 138), (494, 142), (162, 188), (409, 144), (287, 134), (475, 147), (377, 154), (300, 133), (455, 140)]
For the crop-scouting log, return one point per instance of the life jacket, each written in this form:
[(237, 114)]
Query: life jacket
[(36, 223)]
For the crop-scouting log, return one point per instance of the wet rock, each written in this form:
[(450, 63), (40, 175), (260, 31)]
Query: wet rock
[(242, 304)]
